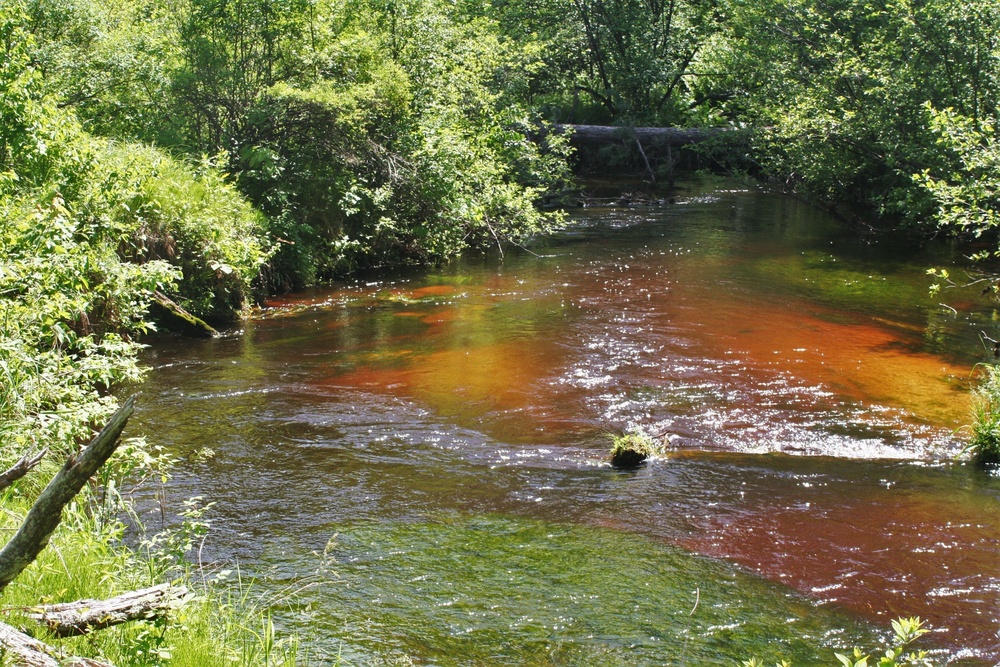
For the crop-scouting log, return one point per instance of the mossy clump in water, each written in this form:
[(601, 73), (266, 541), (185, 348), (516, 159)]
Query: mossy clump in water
[(631, 449)]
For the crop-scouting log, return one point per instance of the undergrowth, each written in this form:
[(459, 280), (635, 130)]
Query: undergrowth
[(985, 442), (216, 624)]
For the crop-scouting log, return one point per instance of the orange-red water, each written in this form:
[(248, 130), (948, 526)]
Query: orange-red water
[(807, 386)]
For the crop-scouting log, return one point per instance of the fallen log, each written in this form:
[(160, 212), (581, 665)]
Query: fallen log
[(27, 651), (663, 136), (69, 619), (21, 468), (169, 313), (45, 515)]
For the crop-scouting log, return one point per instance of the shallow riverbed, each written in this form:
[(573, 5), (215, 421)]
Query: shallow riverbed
[(414, 465)]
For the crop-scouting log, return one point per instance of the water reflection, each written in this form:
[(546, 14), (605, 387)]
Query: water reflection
[(746, 328)]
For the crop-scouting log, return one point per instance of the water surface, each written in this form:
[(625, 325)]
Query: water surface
[(422, 457)]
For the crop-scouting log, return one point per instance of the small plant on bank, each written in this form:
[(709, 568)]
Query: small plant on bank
[(985, 442), (631, 449)]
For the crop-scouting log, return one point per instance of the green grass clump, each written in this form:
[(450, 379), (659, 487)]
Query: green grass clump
[(631, 449), (214, 625), (985, 442)]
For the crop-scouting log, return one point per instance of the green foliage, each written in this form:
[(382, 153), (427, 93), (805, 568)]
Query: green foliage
[(110, 62), (985, 441), (844, 88), (231, 53), (66, 307), (188, 216), (611, 62), (397, 161), (968, 195)]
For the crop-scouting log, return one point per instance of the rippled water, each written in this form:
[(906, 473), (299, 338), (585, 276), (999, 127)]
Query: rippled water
[(421, 458)]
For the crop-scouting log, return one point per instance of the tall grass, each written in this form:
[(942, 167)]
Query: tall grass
[(215, 625)]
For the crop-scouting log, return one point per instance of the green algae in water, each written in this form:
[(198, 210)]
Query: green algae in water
[(503, 591)]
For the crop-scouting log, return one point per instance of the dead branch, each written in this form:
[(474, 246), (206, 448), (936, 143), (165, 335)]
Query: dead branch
[(21, 468), (45, 515), (83, 616)]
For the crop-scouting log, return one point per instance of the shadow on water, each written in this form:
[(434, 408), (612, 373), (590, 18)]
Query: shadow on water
[(422, 457)]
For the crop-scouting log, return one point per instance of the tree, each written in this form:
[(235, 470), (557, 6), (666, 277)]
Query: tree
[(845, 87)]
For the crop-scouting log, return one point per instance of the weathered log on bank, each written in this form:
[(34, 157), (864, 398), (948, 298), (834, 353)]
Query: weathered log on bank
[(29, 652), (647, 136), (170, 314), (83, 616), (45, 515)]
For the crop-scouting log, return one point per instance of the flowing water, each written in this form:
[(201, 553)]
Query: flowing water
[(414, 466)]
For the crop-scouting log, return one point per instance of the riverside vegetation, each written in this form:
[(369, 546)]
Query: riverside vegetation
[(211, 150)]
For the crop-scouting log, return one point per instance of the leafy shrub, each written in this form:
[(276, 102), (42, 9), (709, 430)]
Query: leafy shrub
[(163, 209), (967, 194), (985, 441), (402, 162), (843, 92)]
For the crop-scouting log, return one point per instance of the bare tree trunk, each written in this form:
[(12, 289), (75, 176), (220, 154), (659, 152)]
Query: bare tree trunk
[(45, 515), (84, 616)]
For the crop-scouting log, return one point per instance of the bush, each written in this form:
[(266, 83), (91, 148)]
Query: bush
[(165, 209), (985, 442), (395, 164)]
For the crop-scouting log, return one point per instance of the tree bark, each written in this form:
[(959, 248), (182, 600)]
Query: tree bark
[(29, 652), (21, 468), (84, 616), (45, 515), (669, 136)]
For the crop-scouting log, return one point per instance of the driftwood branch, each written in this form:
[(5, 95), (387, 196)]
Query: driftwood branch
[(29, 652), (84, 616), (21, 468), (649, 168), (45, 515)]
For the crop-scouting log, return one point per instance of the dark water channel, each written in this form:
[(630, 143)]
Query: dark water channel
[(414, 466)]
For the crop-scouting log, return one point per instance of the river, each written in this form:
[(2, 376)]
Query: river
[(413, 466)]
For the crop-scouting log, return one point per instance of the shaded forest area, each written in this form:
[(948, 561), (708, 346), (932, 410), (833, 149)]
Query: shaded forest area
[(210, 150)]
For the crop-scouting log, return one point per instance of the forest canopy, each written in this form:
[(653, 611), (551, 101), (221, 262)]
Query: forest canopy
[(380, 132)]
